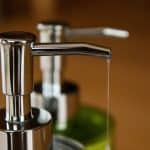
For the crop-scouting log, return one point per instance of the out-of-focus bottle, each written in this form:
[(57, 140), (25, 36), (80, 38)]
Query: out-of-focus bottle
[(61, 98)]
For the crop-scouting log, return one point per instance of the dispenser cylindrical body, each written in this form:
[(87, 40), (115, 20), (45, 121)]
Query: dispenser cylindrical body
[(21, 127), (16, 62), (17, 79), (34, 134)]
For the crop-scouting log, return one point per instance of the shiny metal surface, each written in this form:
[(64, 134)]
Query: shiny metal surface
[(34, 134), (20, 126), (18, 108), (46, 49), (96, 31), (51, 32), (16, 69), (14, 54), (68, 32)]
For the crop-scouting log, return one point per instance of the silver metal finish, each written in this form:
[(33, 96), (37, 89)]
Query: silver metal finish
[(18, 108), (22, 127), (33, 134), (16, 52), (48, 49), (52, 32), (17, 78), (95, 31), (56, 31)]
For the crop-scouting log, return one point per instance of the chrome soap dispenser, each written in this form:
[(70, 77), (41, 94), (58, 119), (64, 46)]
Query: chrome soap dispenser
[(23, 127), (60, 97)]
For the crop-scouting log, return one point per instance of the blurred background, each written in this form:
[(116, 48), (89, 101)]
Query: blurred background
[(130, 67)]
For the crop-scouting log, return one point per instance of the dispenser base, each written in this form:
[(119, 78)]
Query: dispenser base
[(33, 134)]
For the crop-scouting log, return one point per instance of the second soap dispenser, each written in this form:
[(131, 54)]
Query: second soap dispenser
[(58, 96), (62, 98)]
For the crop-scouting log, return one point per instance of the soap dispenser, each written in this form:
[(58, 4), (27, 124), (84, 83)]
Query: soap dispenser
[(21, 126), (60, 97)]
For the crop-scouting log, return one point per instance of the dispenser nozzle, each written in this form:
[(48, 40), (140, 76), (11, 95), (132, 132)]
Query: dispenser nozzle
[(45, 49)]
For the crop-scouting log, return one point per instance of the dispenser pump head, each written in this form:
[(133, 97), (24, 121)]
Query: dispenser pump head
[(16, 62)]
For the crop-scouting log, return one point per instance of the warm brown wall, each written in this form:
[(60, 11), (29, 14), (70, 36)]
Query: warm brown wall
[(130, 76)]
